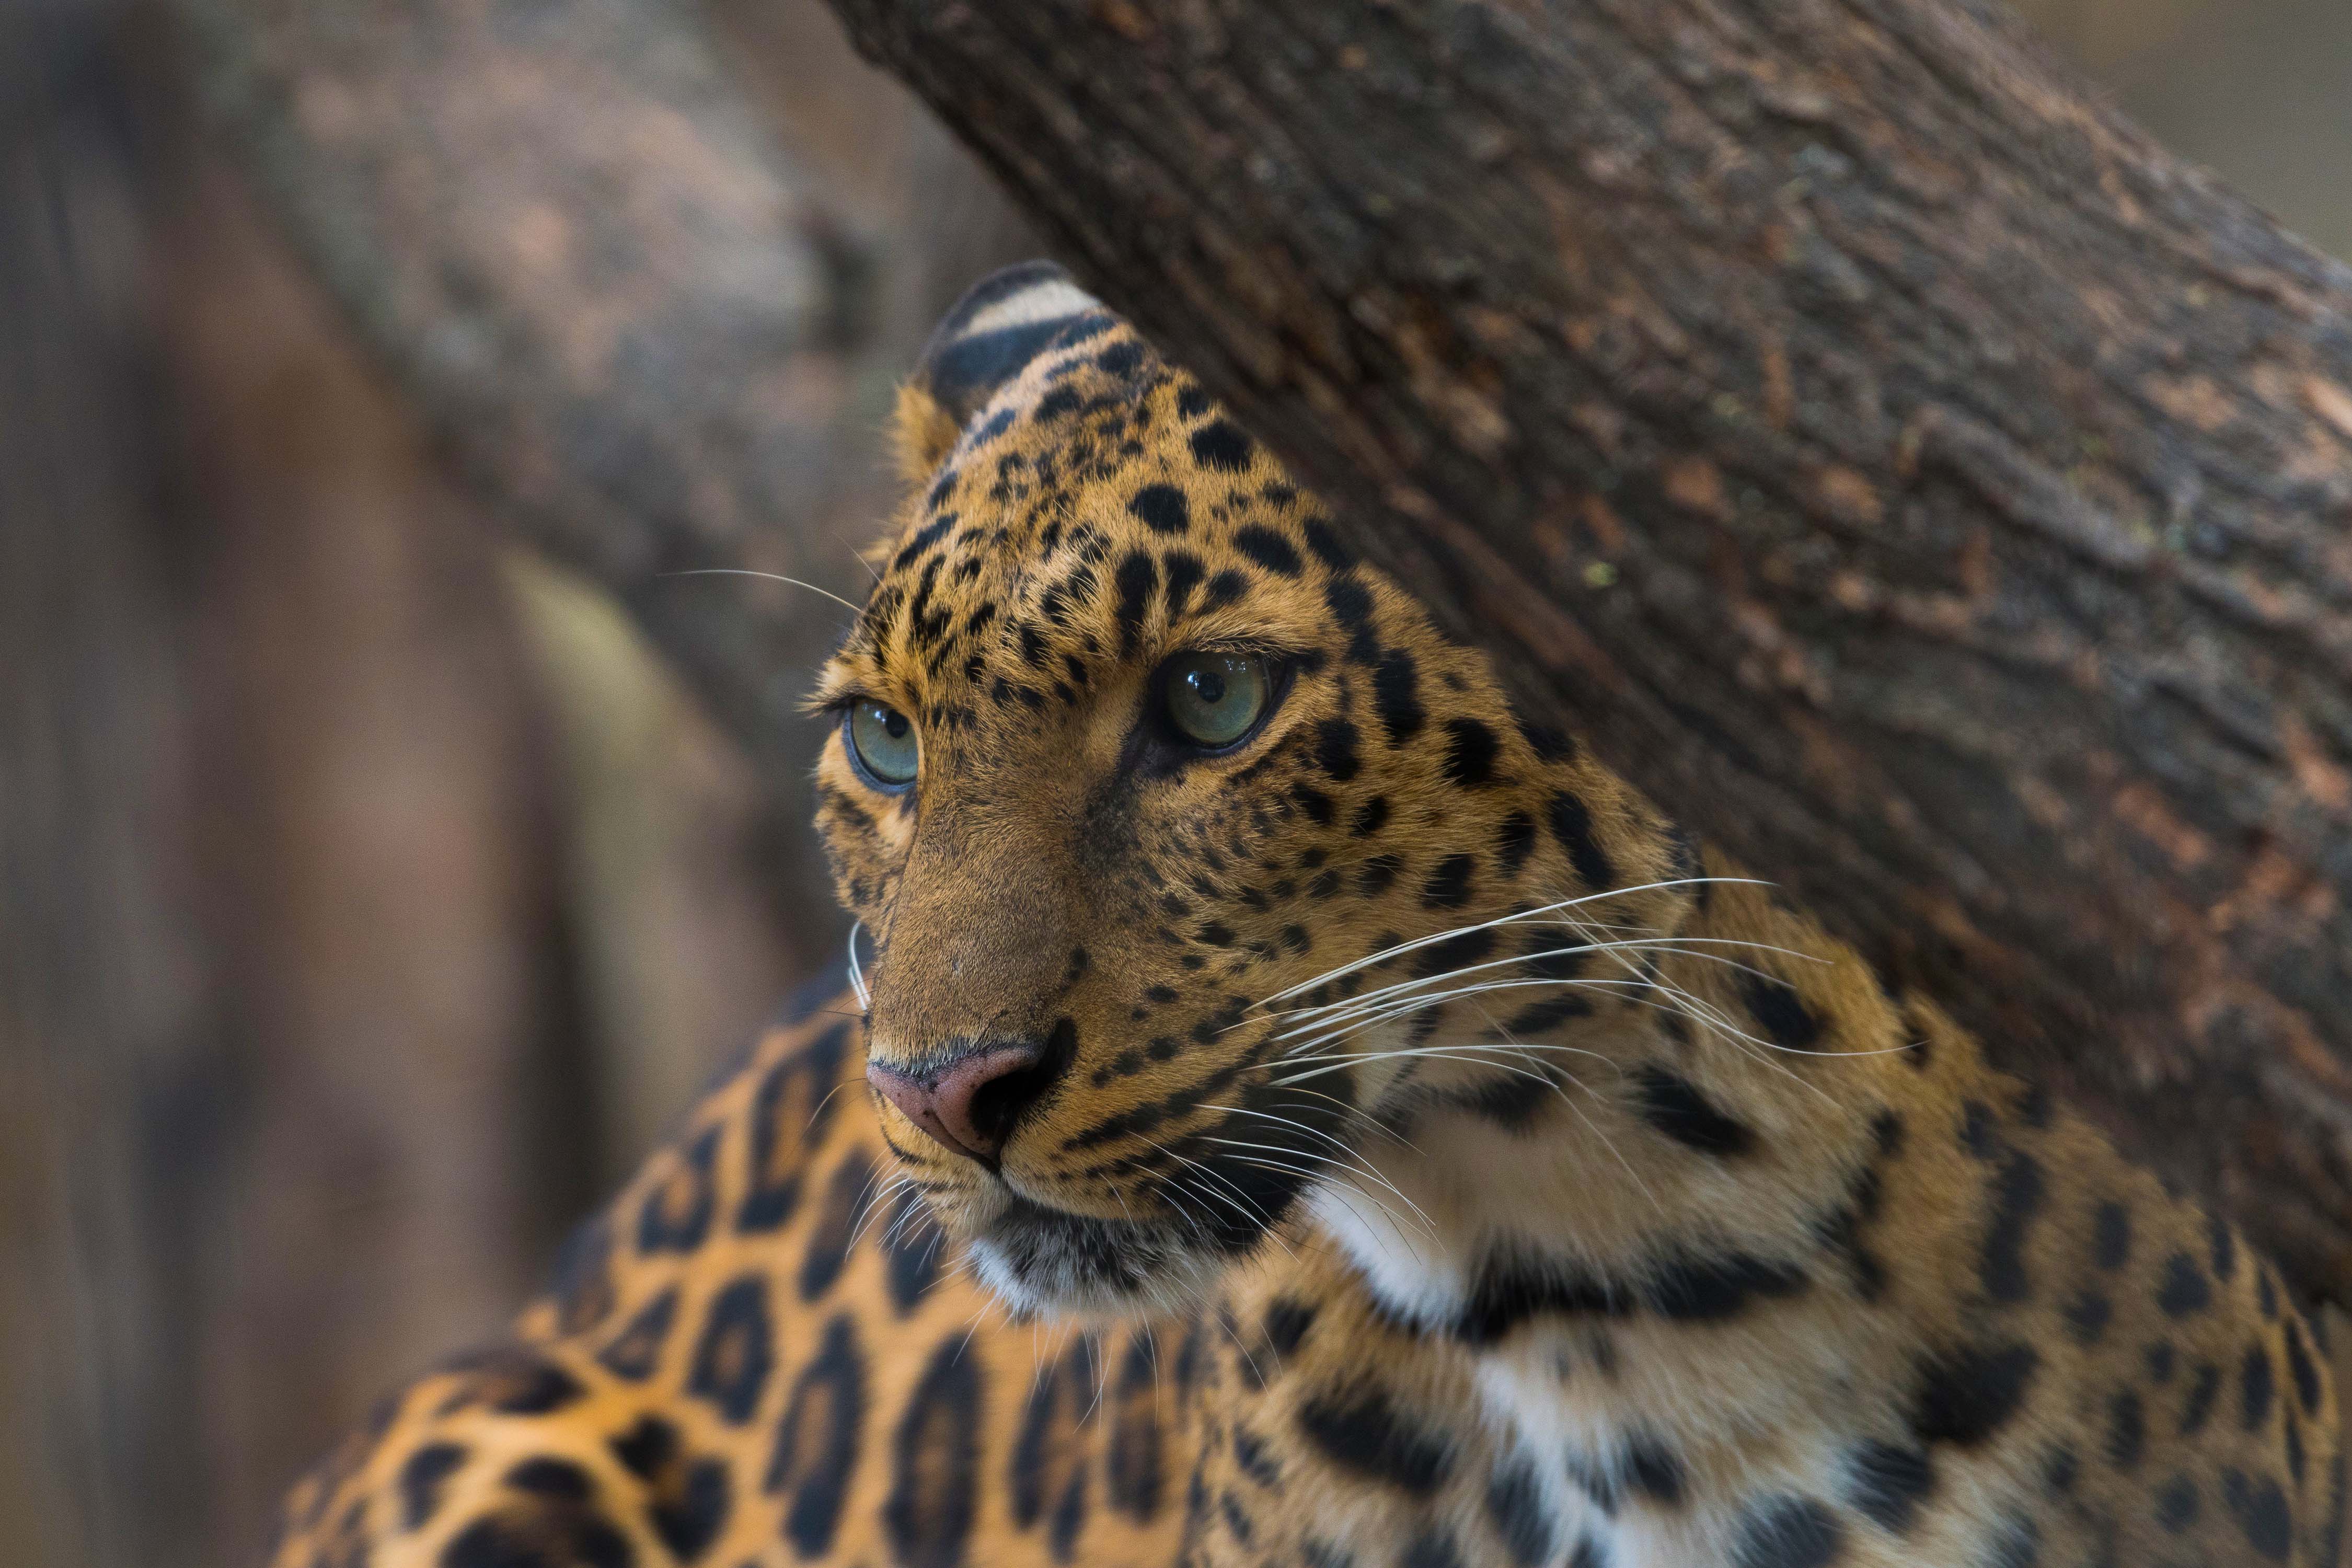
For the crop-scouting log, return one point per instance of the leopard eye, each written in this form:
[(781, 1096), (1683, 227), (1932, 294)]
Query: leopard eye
[(881, 742), (1213, 698)]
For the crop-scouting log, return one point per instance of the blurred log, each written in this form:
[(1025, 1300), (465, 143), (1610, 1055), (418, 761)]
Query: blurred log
[(400, 1120), (104, 995), (1882, 453), (286, 1036), (603, 286)]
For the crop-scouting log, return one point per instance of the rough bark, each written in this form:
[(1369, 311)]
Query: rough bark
[(1885, 455)]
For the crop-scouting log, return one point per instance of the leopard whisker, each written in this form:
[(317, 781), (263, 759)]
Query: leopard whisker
[(1332, 1012), (1329, 1160), (1518, 918), (771, 576), (858, 972)]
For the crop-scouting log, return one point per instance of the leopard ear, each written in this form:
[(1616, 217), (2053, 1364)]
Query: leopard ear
[(1006, 320)]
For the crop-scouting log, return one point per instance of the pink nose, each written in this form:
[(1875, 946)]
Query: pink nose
[(969, 1104)]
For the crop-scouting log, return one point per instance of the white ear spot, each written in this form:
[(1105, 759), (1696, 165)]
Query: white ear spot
[(1052, 301)]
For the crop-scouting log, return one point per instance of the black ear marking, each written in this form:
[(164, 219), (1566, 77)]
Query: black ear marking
[(1006, 320)]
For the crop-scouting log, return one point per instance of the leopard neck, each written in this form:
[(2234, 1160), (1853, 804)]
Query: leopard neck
[(1701, 1134)]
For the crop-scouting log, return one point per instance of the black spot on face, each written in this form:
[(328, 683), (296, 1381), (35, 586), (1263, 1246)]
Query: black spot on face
[(2126, 1429), (1370, 817), (1457, 951), (1783, 1013), (1968, 1395), (2224, 1243), (1221, 446), (1368, 1436), (1336, 753), (2256, 1384), (1396, 696), (1136, 578), (1185, 572), (1675, 1106), (2260, 1507), (2111, 1236), (2304, 1369), (1515, 840), (2087, 1316), (1268, 549), (2185, 1289), (1571, 823), (1890, 1481), (1160, 509), (1789, 1533), (2177, 1504), (1286, 1322), (2017, 1197), (1470, 752), (1448, 887), (1351, 605), (2204, 1389)]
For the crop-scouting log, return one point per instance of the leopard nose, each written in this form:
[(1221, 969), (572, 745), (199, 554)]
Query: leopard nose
[(969, 1102)]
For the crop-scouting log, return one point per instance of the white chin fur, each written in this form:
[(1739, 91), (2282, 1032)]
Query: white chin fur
[(1394, 1256), (1178, 1278)]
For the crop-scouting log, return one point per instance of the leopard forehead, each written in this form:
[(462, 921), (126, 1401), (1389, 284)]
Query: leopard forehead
[(1099, 511)]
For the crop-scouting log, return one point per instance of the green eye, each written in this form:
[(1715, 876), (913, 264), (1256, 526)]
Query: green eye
[(1214, 697), (882, 744)]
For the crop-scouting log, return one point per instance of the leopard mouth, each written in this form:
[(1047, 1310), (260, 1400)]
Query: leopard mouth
[(1041, 1259)]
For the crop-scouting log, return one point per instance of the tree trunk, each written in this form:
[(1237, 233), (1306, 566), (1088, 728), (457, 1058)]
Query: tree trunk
[(1879, 451), (1885, 455)]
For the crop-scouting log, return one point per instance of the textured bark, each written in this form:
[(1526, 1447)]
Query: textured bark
[(1885, 455)]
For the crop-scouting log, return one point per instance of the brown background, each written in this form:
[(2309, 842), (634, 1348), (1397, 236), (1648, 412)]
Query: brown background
[(370, 898)]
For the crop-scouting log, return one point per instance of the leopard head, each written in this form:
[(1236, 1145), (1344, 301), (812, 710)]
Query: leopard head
[(1167, 820)]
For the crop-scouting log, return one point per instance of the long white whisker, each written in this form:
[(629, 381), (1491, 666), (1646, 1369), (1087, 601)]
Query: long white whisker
[(771, 576), (1520, 918), (1330, 1013)]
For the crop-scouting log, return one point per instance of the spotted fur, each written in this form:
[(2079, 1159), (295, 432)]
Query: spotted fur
[(1425, 1155)]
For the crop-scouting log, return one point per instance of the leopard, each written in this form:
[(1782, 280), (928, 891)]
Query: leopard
[(1292, 1109)]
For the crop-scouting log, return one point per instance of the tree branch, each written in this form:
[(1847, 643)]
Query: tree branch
[(588, 261), (1886, 456)]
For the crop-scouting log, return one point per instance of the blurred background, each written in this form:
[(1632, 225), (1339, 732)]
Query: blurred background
[(377, 875)]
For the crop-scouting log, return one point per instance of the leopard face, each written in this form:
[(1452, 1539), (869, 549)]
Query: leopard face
[(1135, 764)]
